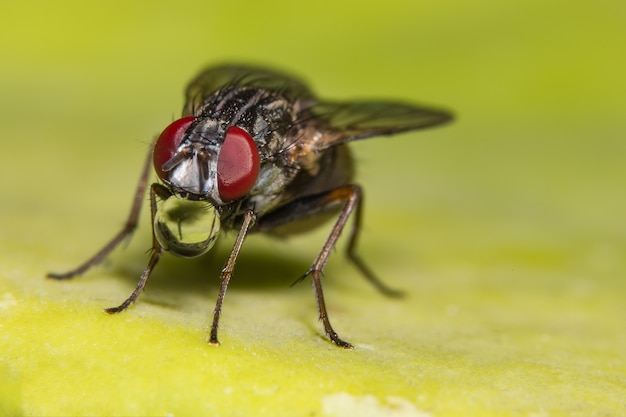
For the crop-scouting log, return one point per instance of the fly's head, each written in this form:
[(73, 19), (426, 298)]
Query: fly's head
[(207, 160)]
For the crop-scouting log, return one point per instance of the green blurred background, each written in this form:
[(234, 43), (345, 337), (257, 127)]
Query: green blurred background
[(507, 229)]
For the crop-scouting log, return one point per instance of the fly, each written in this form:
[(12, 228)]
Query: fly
[(256, 151)]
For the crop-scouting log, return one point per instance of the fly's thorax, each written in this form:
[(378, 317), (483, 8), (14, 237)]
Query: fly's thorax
[(269, 190)]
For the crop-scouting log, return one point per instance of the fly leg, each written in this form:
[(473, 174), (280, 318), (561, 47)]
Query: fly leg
[(350, 195), (127, 230), (227, 272), (356, 258), (348, 198), (155, 253)]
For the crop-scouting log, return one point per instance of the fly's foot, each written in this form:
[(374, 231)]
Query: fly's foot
[(118, 309), (213, 341), (339, 342), (61, 276)]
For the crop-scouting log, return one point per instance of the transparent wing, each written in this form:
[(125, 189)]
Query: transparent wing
[(347, 121), (214, 78)]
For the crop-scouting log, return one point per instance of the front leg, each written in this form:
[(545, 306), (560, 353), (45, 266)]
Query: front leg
[(227, 272)]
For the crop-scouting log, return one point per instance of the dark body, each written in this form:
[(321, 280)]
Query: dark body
[(264, 155)]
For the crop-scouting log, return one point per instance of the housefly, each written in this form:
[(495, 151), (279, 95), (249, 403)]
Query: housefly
[(256, 151)]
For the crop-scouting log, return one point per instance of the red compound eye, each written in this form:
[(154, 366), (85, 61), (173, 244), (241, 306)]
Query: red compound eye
[(167, 143), (237, 164)]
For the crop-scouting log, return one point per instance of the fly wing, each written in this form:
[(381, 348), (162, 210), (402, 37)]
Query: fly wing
[(212, 79), (340, 122)]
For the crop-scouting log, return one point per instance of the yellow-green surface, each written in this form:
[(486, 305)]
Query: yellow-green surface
[(507, 229)]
